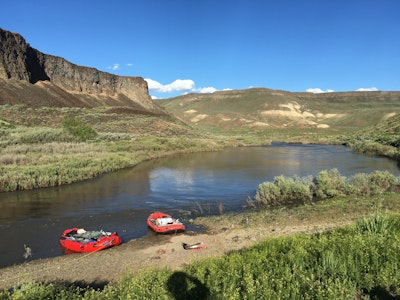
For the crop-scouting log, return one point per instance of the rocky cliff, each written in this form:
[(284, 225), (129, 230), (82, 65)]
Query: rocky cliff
[(53, 81)]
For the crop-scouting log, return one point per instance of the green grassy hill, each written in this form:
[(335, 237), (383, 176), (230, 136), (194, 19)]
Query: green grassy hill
[(260, 109), (388, 126), (382, 138)]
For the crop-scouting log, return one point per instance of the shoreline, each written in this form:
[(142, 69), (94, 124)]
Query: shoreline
[(161, 251)]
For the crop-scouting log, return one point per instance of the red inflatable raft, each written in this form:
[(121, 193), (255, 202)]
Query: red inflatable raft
[(80, 240), (163, 223)]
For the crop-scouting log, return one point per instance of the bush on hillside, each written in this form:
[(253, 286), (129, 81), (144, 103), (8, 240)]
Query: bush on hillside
[(78, 128)]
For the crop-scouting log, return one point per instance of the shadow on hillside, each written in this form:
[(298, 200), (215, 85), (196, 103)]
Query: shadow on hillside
[(381, 293), (183, 286)]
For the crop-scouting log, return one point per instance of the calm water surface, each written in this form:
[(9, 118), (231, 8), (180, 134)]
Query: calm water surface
[(183, 186)]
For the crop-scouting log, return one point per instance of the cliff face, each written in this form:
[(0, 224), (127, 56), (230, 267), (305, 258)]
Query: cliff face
[(88, 86), (18, 60)]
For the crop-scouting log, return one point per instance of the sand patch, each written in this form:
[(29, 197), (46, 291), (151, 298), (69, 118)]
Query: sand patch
[(282, 113), (291, 106), (388, 115), (224, 118), (190, 111), (259, 124), (307, 114), (293, 111), (198, 118)]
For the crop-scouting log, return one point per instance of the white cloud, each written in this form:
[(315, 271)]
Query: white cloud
[(177, 85), (153, 85), (207, 90), (371, 89), (180, 85), (115, 67), (318, 91)]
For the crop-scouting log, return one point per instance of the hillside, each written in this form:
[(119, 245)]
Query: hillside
[(388, 126), (261, 109)]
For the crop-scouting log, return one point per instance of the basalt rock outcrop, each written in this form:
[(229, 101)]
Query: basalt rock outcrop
[(30, 77)]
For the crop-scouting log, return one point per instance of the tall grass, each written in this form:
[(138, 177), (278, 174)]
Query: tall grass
[(379, 223), (36, 160), (346, 263)]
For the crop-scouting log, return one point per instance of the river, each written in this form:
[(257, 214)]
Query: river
[(183, 185)]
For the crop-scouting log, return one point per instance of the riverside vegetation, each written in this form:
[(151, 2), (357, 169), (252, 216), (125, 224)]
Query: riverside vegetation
[(359, 261), (65, 148)]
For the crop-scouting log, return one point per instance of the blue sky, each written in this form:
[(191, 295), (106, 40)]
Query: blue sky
[(185, 46)]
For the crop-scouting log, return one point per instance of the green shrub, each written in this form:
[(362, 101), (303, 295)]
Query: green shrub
[(43, 291), (389, 139), (78, 128), (268, 194), (285, 191), (373, 183), (328, 184)]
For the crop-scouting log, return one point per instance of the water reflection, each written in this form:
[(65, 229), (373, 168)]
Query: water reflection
[(178, 185)]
